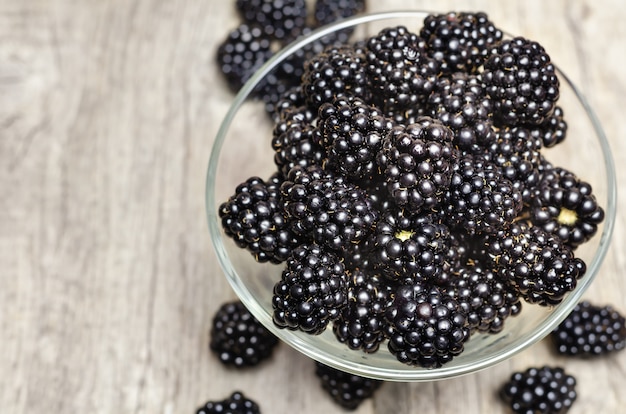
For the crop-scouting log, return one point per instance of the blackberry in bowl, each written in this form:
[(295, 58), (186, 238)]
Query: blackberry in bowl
[(394, 290)]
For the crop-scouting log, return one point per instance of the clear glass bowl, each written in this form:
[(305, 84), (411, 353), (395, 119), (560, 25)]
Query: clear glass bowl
[(242, 149)]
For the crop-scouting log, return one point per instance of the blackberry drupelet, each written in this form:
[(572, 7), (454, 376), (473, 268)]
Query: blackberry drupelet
[(236, 403), (417, 162), (329, 11), (279, 19), (545, 390), (426, 327), (479, 199), (254, 218), (590, 331), (401, 73), (352, 133), (238, 338), (538, 264), (312, 290), (347, 390), (362, 324), (243, 51), (460, 41), (522, 81)]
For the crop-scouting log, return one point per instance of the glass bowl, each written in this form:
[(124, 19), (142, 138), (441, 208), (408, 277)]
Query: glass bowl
[(242, 149)]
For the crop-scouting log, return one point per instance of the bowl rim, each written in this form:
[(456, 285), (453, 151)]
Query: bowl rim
[(411, 374)]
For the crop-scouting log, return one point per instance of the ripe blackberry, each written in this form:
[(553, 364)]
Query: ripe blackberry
[(461, 104), (552, 130), (238, 338), (417, 161), (338, 70), (243, 51), (352, 134), (279, 19), (545, 390), (329, 11), (312, 291), (538, 264), (401, 73), (347, 390), (479, 199), (236, 403), (426, 327), (522, 81), (362, 324), (459, 41), (291, 100), (254, 218), (566, 207), (486, 299), (590, 331), (408, 246)]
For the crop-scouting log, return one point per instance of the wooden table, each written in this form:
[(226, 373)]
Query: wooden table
[(109, 281)]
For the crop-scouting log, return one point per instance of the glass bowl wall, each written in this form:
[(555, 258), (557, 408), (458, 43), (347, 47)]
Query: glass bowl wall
[(242, 149)]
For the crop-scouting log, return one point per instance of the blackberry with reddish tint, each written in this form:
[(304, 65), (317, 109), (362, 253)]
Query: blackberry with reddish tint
[(590, 331), (279, 19), (347, 390), (236, 403)]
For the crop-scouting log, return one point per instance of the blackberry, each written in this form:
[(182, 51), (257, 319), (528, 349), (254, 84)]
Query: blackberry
[(254, 218), (362, 323), (236, 403), (401, 73), (347, 390), (312, 290), (590, 331), (538, 264), (417, 161), (460, 41), (522, 81), (329, 11), (279, 19), (243, 51), (486, 299), (426, 327), (291, 100), (338, 70), (461, 104), (238, 338), (552, 130), (545, 390), (352, 134), (479, 199), (566, 207)]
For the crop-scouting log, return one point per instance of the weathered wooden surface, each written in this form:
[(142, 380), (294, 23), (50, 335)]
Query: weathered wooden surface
[(108, 109)]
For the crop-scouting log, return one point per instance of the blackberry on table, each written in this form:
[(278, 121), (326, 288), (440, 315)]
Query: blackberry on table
[(236, 403), (347, 390), (544, 390), (460, 41), (278, 19), (522, 81), (312, 290), (427, 328), (590, 331), (238, 338)]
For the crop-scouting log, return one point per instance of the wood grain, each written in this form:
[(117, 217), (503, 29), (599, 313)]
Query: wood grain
[(108, 109)]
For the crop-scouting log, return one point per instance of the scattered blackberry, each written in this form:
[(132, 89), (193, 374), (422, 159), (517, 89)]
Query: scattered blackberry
[(328, 11), (254, 218), (362, 323), (426, 327), (312, 291), (417, 161), (590, 331), (461, 104), (565, 206), (279, 19), (243, 52), (538, 264), (545, 390), (347, 390), (352, 134), (401, 73), (479, 199), (552, 130), (459, 41), (236, 403), (238, 338), (522, 81)]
